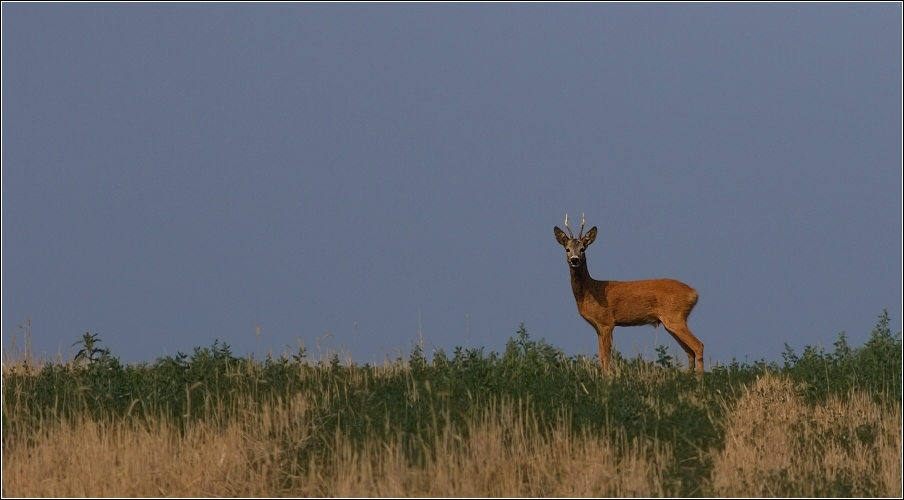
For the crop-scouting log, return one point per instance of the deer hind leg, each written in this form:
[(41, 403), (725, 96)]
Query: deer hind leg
[(691, 345)]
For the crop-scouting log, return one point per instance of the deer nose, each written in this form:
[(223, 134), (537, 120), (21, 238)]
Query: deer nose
[(574, 261)]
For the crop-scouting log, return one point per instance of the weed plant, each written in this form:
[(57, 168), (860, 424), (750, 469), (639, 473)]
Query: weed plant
[(416, 404)]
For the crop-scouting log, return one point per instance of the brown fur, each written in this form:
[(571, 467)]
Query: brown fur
[(607, 304)]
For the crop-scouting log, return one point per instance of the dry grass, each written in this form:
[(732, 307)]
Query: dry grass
[(504, 456), (777, 446)]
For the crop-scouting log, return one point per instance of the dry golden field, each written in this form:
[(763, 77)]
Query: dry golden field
[(771, 440)]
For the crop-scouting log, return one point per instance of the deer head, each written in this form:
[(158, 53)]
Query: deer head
[(574, 247)]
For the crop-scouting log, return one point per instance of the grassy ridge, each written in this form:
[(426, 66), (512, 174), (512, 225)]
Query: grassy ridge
[(418, 407)]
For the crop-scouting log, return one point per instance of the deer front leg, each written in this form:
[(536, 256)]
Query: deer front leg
[(604, 336)]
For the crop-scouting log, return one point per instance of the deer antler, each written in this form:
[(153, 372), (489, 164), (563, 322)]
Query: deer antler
[(570, 234), (581, 232)]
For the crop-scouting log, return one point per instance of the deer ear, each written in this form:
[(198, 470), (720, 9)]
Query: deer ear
[(589, 237), (560, 236)]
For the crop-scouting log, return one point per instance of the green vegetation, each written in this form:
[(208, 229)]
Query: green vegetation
[(874, 368), (418, 400)]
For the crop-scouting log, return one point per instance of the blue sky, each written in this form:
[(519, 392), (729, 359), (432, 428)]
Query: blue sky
[(363, 176)]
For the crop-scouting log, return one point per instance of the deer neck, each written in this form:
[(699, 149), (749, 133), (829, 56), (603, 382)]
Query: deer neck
[(581, 282)]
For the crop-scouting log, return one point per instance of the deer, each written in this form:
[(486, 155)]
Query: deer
[(607, 304)]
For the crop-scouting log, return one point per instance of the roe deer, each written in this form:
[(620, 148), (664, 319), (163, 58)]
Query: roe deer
[(607, 304)]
